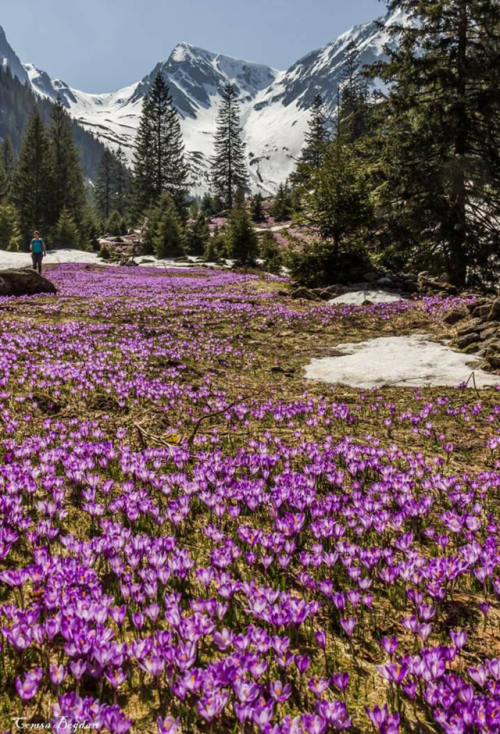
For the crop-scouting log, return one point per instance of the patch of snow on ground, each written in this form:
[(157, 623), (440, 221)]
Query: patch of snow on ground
[(399, 361), (357, 298), (59, 257)]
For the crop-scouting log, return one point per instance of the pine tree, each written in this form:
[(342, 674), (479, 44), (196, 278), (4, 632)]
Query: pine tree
[(439, 140), (10, 234), (143, 189), (66, 232), (4, 183), (105, 188), (169, 239), (122, 181), (229, 171), (335, 202), (207, 205), (116, 224), (258, 214), (269, 251), (8, 157), (31, 182), (353, 109), (282, 208), (242, 242), (7, 167), (160, 164), (312, 153), (197, 235), (67, 188)]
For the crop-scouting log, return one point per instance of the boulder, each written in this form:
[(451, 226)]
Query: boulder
[(24, 282), (494, 361), (494, 313), (481, 312), (305, 293), (454, 316), (486, 334), (465, 341), (478, 302), (474, 325)]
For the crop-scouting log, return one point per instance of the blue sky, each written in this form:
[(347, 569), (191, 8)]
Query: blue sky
[(102, 45)]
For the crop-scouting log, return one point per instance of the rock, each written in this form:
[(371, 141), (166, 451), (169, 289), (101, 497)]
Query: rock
[(478, 302), (490, 348), (304, 293), (465, 341), (437, 287), (24, 282), (482, 312), (494, 361), (494, 313), (473, 325), (385, 281), (454, 316), (145, 261), (486, 334), (371, 276)]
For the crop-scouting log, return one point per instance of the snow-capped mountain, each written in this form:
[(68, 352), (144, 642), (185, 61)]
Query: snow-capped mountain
[(274, 104), (9, 58)]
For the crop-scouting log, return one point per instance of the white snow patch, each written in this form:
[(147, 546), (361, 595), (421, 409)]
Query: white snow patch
[(400, 361), (59, 257), (357, 298)]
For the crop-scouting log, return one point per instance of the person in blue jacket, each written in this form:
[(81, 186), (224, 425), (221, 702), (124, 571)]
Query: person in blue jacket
[(38, 251)]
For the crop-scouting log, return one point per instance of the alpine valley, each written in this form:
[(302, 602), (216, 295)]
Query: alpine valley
[(274, 104)]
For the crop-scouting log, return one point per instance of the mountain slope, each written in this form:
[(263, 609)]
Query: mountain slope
[(274, 104), (10, 60)]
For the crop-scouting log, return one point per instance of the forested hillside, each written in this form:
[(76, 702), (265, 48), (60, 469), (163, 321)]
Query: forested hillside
[(16, 103)]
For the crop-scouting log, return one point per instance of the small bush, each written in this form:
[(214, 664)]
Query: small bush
[(270, 252), (216, 248)]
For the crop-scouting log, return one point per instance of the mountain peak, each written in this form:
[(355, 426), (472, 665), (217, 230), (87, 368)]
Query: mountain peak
[(10, 60), (185, 51)]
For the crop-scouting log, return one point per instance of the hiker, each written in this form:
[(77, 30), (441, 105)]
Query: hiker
[(38, 251)]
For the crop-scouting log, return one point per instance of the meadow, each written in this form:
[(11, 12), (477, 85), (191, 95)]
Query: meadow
[(194, 538)]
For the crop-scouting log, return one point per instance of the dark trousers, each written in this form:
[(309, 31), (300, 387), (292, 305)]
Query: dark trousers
[(37, 258)]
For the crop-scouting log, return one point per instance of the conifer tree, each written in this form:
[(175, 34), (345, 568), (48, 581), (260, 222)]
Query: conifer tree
[(160, 164), (207, 205), (8, 157), (258, 214), (66, 231), (144, 190), (282, 208), (270, 252), (122, 181), (7, 167), (353, 111), (10, 234), (31, 181), (242, 242), (197, 235), (169, 239), (4, 183), (439, 141), (67, 189), (312, 153), (105, 187), (335, 202), (229, 172)]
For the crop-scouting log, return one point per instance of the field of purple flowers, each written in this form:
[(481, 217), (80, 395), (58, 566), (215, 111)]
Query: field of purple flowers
[(194, 539)]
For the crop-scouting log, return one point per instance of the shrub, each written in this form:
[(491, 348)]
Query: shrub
[(270, 252)]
